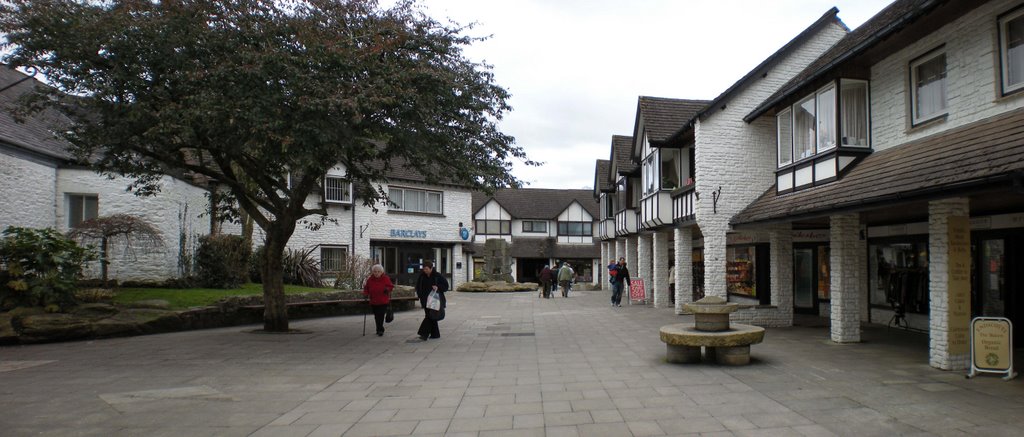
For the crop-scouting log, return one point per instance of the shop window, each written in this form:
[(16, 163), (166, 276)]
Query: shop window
[(82, 207), (332, 258), (535, 226), (899, 276), (494, 227), (337, 190), (698, 274), (824, 273), (1011, 50), (740, 274), (928, 86), (412, 200), (575, 229)]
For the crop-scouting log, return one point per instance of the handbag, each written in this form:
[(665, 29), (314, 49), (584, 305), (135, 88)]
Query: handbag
[(390, 315), (435, 315)]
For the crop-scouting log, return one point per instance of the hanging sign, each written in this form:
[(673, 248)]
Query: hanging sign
[(991, 346), (636, 290)]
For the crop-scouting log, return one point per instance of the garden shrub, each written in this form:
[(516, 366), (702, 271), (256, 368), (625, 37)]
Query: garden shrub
[(222, 261), (300, 267), (354, 271), (39, 267)]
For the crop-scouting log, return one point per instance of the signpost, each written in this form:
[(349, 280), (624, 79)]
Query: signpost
[(636, 291), (991, 346), (959, 283)]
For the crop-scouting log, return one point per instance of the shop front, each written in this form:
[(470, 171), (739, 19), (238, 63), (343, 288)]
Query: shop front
[(747, 270), (811, 272), (402, 260)]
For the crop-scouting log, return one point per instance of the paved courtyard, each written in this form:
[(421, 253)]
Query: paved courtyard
[(506, 365)]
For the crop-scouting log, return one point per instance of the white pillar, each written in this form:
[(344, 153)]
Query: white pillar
[(599, 273), (620, 247), (714, 263), (780, 239), (683, 266), (631, 242), (849, 267), (643, 262), (949, 346), (659, 270)]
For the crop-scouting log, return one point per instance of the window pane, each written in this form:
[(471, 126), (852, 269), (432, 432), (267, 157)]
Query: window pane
[(332, 258), (803, 129), (930, 86), (527, 226), (826, 119), (540, 226), (1015, 52), (785, 124), (396, 197), (506, 226), (434, 202), (415, 201), (854, 99), (563, 228), (75, 210), (336, 190), (92, 208), (588, 229)]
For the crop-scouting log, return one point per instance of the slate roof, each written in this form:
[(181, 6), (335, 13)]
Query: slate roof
[(663, 116), (622, 152), (884, 24), (602, 178), (970, 156), (828, 17), (35, 133), (538, 203)]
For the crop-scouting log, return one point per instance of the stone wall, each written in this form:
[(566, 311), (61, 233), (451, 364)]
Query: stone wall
[(27, 190)]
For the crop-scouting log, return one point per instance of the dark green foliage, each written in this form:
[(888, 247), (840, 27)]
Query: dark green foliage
[(300, 267), (222, 261), (39, 267)]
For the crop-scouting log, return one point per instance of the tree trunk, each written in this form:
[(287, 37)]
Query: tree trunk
[(275, 312), (248, 226), (104, 261)]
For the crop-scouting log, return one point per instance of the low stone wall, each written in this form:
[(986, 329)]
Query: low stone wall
[(88, 321)]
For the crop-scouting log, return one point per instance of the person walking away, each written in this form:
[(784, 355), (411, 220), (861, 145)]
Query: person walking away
[(377, 289), (565, 275), (546, 277), (428, 281), (622, 281)]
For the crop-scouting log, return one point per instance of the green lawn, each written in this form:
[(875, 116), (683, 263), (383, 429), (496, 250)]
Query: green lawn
[(181, 298)]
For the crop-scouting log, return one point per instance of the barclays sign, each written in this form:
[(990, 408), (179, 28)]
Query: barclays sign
[(407, 233)]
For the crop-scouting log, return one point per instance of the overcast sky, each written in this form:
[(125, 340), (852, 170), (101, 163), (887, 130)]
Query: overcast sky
[(576, 67)]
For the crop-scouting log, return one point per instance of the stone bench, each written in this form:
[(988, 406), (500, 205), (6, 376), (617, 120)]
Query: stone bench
[(730, 347)]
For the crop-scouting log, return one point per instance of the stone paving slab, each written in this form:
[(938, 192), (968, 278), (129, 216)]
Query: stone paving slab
[(507, 365)]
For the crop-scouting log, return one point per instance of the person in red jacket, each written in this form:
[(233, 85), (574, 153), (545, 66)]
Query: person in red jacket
[(378, 289)]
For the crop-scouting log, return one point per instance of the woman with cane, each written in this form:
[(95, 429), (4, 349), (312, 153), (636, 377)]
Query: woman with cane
[(378, 290)]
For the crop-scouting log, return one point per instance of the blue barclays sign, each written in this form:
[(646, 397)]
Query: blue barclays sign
[(406, 233)]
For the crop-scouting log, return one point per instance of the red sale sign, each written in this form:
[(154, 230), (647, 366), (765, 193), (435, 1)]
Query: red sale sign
[(636, 290)]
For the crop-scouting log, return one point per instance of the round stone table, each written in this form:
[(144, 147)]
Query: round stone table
[(730, 347)]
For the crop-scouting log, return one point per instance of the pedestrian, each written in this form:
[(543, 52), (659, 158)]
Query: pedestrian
[(613, 272), (621, 281), (545, 281), (377, 289), (565, 277), (672, 283), (428, 281)]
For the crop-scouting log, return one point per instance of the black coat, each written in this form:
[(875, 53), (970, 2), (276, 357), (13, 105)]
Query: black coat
[(623, 275), (424, 285)]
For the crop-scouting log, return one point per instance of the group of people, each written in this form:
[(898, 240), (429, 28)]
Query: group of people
[(618, 276), (565, 276), (378, 289)]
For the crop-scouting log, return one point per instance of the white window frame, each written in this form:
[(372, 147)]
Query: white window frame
[(1003, 22), (837, 124), (818, 147), (84, 214), (916, 118), (340, 261), (504, 227), (346, 188), (840, 105), (533, 226), (396, 195)]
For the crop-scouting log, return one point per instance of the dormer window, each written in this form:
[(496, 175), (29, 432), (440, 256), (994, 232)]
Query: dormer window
[(1011, 50), (822, 134), (811, 126)]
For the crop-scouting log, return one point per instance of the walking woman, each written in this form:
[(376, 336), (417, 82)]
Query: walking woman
[(378, 289), (428, 281)]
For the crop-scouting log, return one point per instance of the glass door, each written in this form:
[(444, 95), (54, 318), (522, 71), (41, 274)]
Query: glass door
[(805, 284)]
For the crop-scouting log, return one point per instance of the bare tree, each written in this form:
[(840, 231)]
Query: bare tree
[(128, 229)]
